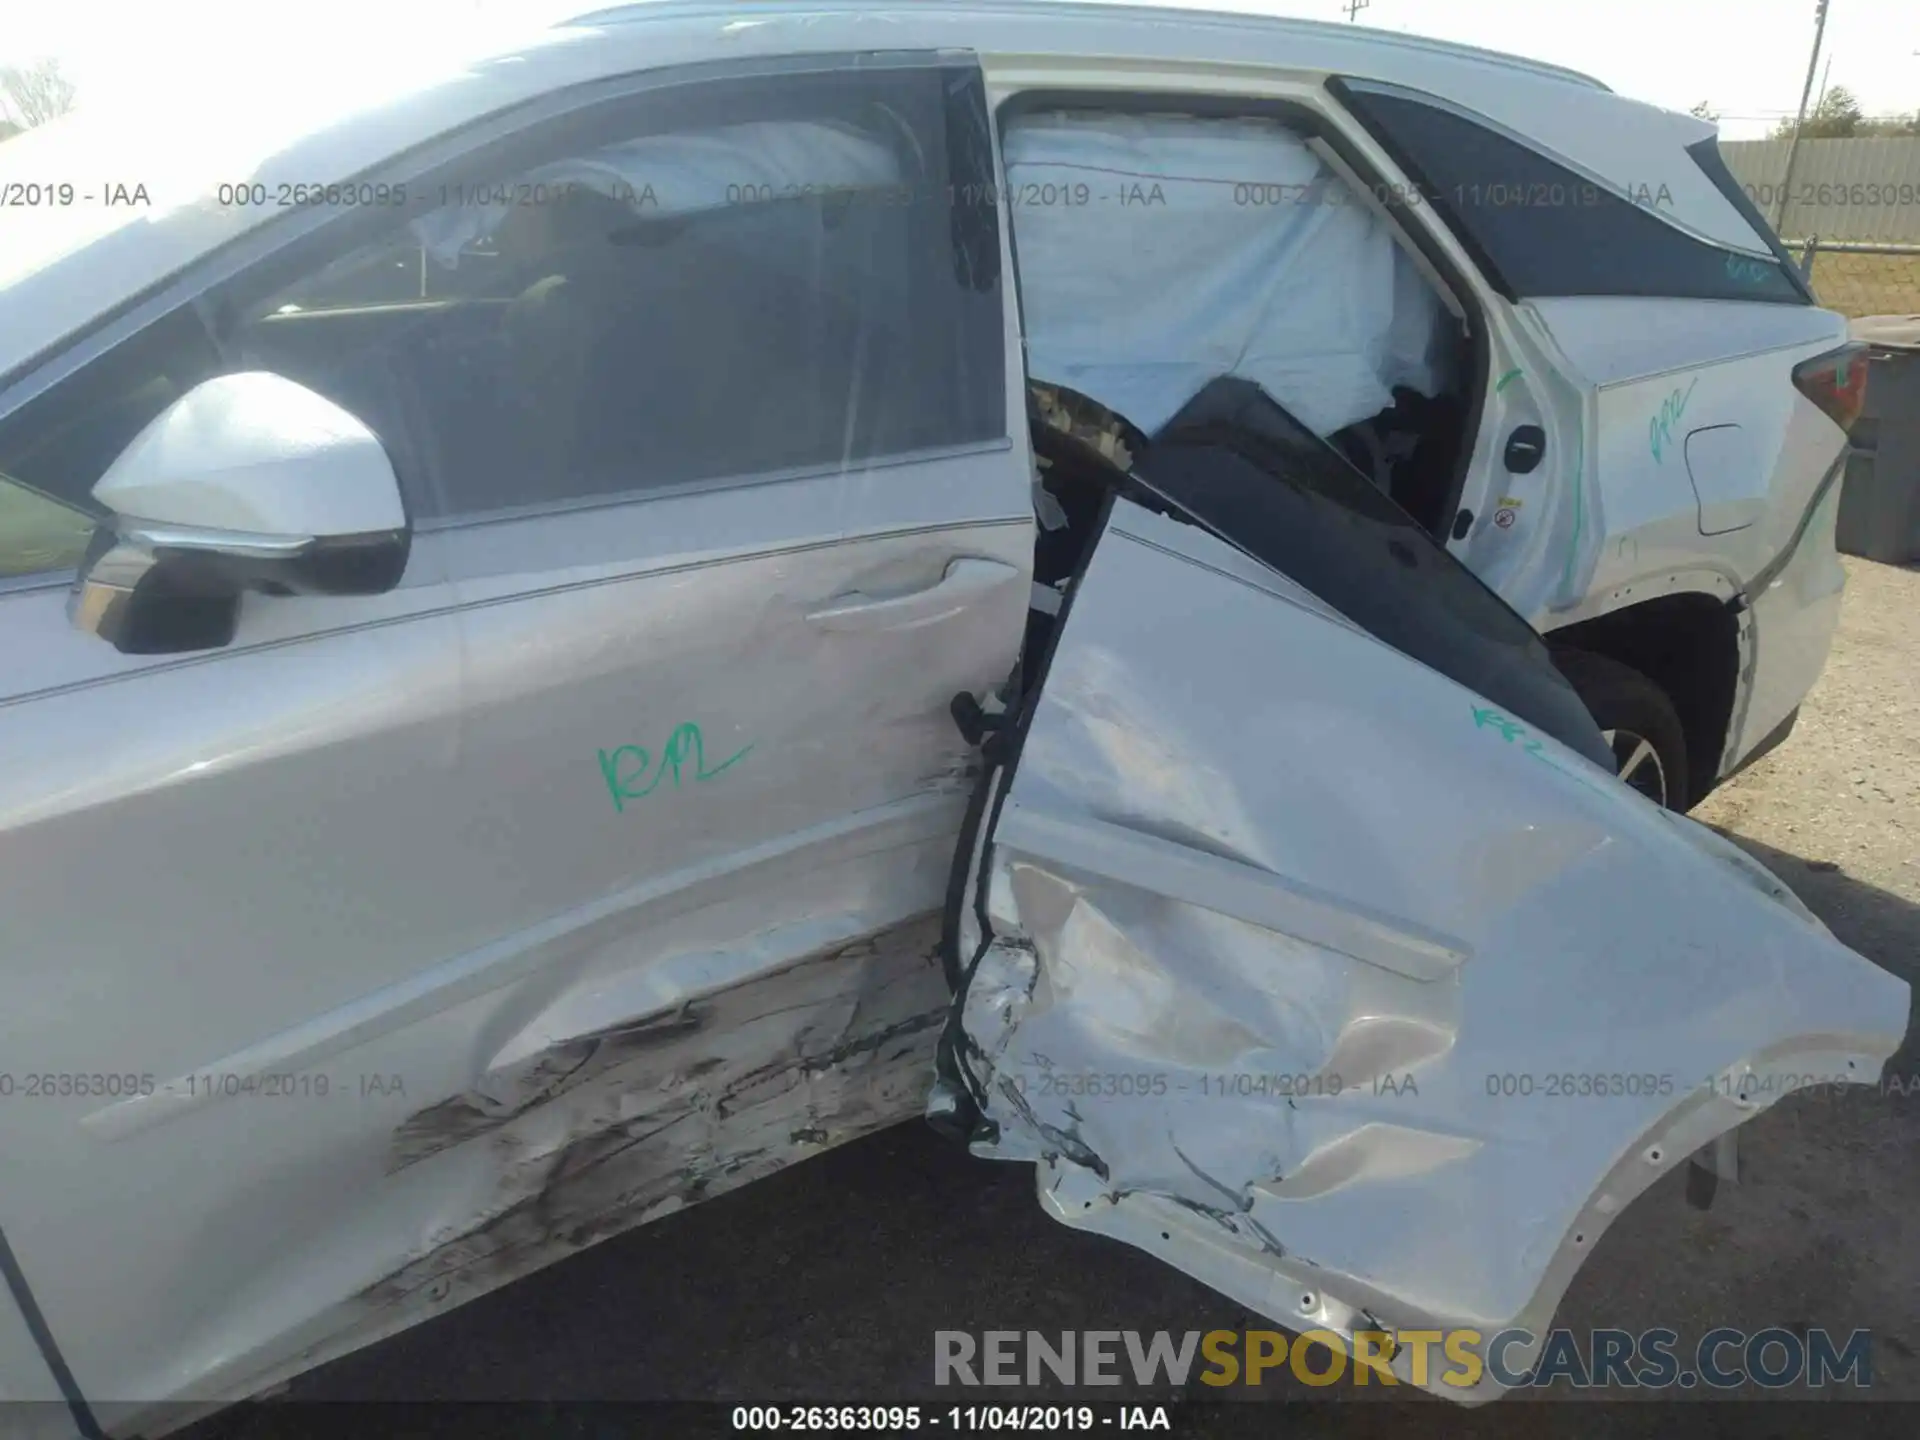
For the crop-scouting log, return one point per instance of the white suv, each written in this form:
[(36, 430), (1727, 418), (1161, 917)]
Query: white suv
[(506, 594)]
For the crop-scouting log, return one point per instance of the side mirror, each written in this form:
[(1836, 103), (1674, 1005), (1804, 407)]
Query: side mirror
[(246, 482)]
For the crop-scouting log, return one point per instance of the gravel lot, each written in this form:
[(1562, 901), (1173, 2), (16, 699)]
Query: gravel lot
[(829, 1280)]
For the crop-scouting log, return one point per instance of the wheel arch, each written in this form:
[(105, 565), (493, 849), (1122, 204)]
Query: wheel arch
[(1687, 643)]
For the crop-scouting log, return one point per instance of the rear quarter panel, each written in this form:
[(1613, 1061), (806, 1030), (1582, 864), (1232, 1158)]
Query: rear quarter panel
[(1661, 371)]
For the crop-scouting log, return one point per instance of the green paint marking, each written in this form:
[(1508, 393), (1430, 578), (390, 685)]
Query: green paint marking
[(625, 766), (1579, 510), (1483, 718), (1512, 730), (1505, 380), (1660, 427)]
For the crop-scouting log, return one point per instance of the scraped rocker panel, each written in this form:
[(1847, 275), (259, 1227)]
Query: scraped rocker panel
[(604, 1095), (606, 1131)]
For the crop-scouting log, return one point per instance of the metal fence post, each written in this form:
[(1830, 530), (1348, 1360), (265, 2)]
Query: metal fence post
[(1806, 257)]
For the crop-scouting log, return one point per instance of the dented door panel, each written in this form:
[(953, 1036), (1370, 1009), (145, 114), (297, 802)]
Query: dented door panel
[(1305, 969), (594, 873)]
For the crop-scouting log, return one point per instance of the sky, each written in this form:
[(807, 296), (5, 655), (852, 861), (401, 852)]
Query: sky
[(1746, 58)]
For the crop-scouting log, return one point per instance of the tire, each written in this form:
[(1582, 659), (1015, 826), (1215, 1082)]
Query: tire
[(1638, 720)]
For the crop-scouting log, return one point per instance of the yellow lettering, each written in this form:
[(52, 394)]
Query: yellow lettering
[(1469, 1361), (1420, 1340), (1335, 1345), (1266, 1350), (1217, 1346), (1373, 1350)]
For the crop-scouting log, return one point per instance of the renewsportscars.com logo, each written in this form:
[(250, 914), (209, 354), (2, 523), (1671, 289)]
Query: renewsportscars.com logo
[(1723, 1359)]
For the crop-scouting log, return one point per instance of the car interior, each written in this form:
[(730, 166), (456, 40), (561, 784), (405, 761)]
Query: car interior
[(583, 336), (1159, 251)]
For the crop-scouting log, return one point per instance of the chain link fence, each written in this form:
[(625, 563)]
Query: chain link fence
[(1853, 208), (1861, 277)]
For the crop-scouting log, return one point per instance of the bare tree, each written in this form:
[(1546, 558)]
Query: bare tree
[(34, 94)]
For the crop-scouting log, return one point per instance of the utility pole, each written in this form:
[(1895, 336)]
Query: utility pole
[(1354, 7), (1793, 145)]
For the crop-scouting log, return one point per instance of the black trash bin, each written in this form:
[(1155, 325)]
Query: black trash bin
[(1880, 497)]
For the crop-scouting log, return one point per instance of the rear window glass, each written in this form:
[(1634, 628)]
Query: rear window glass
[(1534, 227)]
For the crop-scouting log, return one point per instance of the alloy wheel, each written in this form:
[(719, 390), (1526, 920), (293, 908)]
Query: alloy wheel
[(1638, 763)]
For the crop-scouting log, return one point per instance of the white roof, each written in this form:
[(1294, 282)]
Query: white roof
[(64, 267)]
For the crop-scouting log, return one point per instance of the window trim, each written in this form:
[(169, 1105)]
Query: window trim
[(713, 484), (37, 580), (289, 244)]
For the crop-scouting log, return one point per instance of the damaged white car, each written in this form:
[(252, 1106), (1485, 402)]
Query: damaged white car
[(518, 602)]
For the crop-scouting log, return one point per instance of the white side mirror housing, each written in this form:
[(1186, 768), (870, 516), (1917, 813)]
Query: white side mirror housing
[(246, 482), (256, 453)]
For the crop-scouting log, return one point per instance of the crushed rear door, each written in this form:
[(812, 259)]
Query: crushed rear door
[(1339, 985)]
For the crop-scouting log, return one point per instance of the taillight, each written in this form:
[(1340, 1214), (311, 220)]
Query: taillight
[(1836, 382)]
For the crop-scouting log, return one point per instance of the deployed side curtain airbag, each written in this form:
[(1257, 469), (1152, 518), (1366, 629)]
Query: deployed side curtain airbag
[(1159, 252)]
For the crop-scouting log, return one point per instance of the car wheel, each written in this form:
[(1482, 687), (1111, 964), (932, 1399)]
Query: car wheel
[(1637, 720)]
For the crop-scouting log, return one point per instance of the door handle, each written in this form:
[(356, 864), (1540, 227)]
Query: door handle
[(967, 579)]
